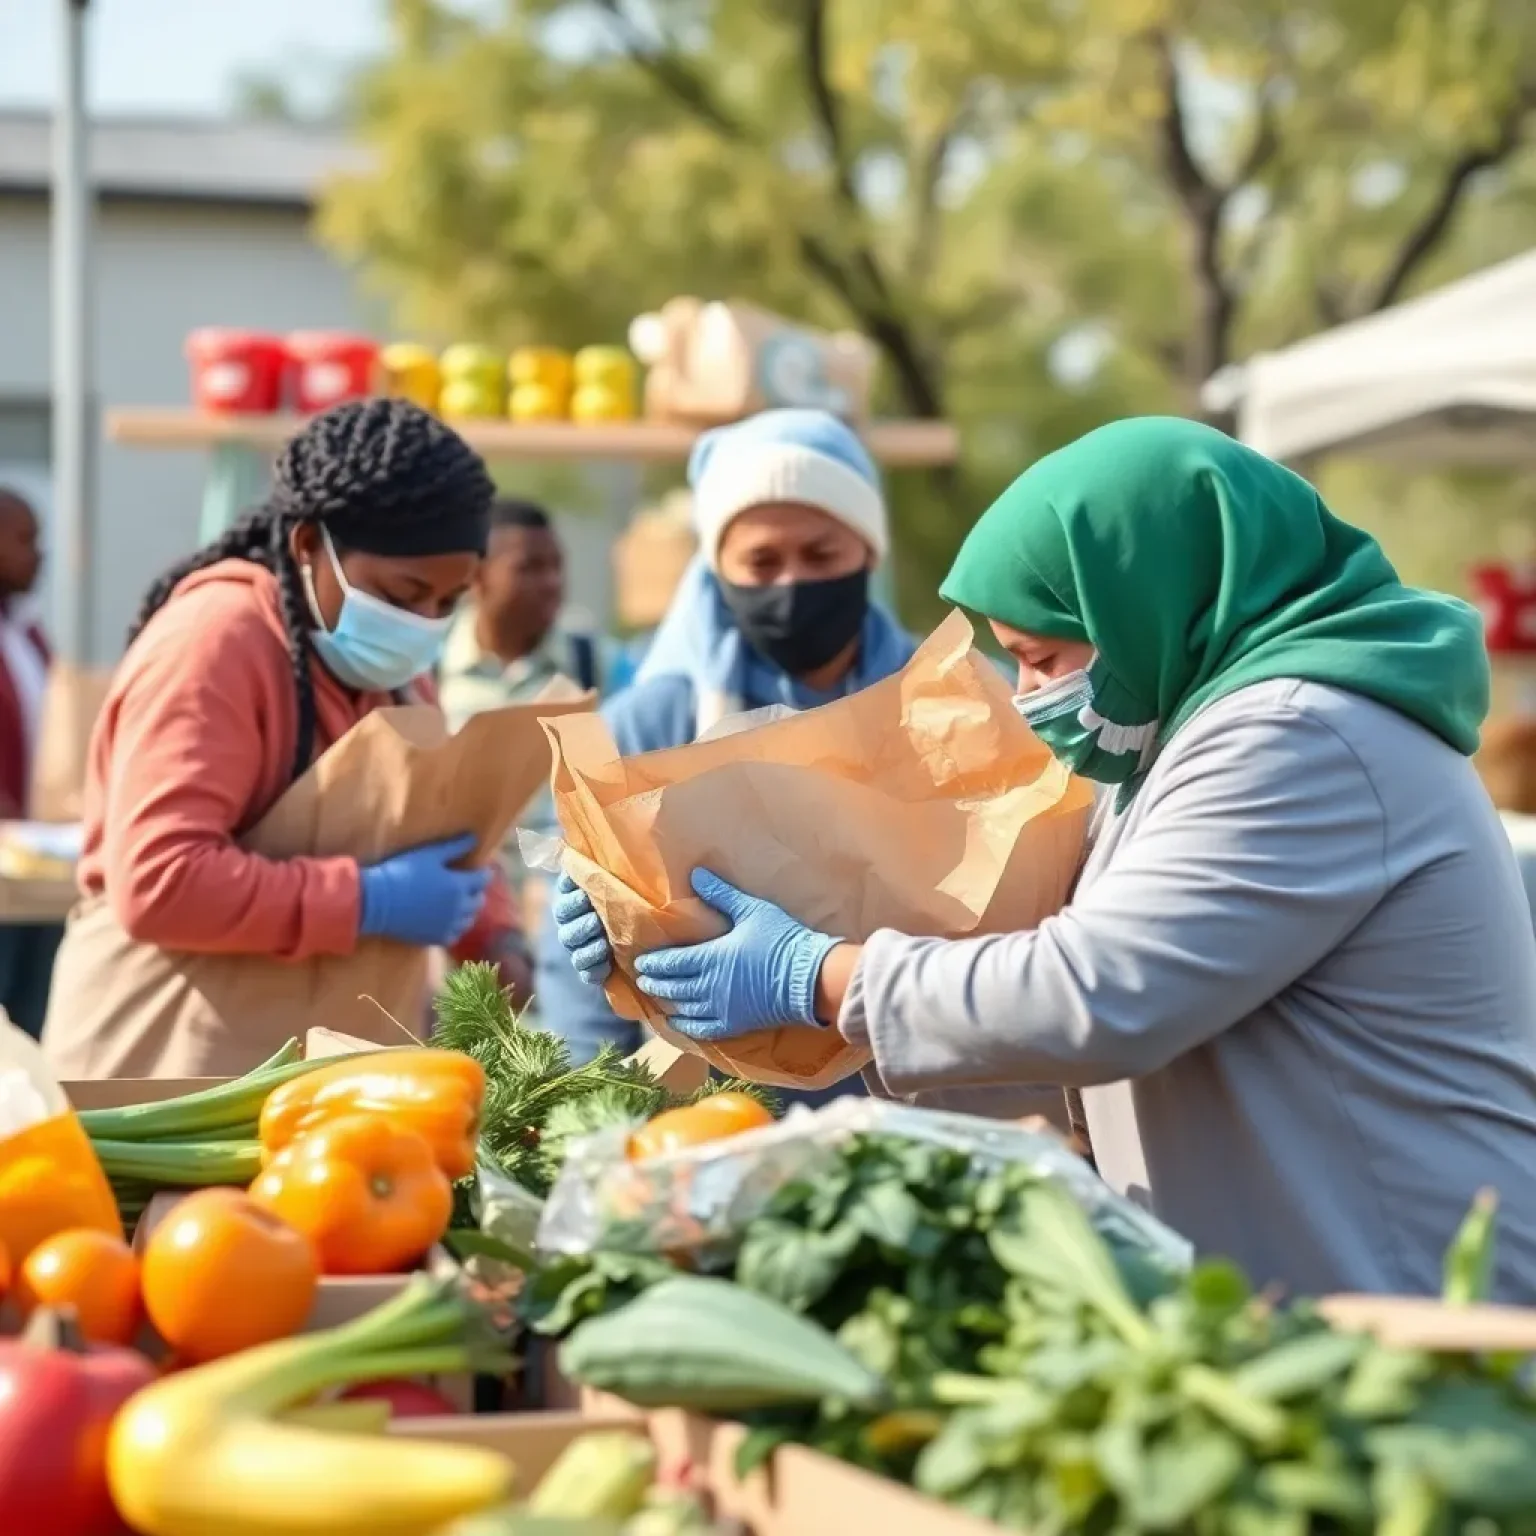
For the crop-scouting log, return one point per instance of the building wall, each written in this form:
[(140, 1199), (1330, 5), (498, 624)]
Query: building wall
[(161, 270)]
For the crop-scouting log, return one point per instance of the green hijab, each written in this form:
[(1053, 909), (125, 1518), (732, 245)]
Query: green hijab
[(1196, 567)]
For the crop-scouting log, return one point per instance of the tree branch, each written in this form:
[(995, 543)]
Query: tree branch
[(667, 69), (824, 102), (869, 301), (876, 306), (1203, 203), (925, 200), (1425, 236), (1195, 189), (1266, 139)]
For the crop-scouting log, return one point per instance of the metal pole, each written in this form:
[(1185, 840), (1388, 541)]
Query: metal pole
[(69, 553)]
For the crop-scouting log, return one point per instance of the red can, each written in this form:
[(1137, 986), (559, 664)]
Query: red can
[(331, 366), (1506, 594), (236, 372)]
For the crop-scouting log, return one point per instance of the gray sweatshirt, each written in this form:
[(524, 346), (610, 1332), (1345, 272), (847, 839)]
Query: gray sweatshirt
[(1297, 984)]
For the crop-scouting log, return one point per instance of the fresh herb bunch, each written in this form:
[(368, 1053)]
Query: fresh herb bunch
[(536, 1099), (1051, 1381)]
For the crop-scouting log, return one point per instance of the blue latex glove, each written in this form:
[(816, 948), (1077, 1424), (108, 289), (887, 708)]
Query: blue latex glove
[(759, 975), (580, 931), (415, 898)]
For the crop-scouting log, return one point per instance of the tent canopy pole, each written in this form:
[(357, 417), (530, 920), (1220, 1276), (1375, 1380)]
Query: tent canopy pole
[(69, 551)]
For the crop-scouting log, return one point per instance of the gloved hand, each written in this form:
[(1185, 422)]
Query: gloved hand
[(760, 974), (580, 931), (415, 898)]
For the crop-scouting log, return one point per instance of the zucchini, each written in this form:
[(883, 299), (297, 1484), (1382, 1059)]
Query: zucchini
[(714, 1347), (518, 1522), (599, 1475)]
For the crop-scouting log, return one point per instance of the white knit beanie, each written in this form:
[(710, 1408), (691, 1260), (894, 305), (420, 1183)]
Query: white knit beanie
[(802, 456)]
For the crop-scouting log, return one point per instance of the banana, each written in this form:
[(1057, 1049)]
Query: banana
[(207, 1452)]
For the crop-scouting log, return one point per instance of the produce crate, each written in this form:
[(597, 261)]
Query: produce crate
[(340, 1298), (798, 1493), (120, 1092)]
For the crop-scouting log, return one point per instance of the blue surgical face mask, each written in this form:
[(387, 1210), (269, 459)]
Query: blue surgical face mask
[(374, 644), (1077, 717)]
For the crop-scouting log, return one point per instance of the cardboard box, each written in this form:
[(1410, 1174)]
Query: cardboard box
[(120, 1092), (799, 1493)]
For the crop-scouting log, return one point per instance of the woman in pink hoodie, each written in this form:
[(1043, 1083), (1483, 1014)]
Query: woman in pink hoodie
[(247, 661)]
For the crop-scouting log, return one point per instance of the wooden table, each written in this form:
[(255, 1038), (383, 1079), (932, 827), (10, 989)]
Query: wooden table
[(241, 447)]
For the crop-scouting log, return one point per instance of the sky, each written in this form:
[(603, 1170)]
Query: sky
[(165, 57)]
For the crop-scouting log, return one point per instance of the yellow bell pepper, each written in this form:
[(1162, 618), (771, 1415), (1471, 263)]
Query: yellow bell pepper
[(436, 1093)]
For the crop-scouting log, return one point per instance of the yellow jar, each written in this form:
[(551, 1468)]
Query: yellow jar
[(412, 372), (544, 367), (470, 400), (539, 402), (593, 403), (465, 362), (606, 368)]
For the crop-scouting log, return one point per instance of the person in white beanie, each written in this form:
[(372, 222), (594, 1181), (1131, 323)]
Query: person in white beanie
[(775, 609)]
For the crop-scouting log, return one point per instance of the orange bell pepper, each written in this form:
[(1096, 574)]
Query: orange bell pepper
[(712, 1118), (437, 1094), (51, 1181), (367, 1193)]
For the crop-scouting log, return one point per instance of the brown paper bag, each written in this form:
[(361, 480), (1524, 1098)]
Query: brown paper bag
[(923, 804), (71, 703), (397, 779), (1507, 763)]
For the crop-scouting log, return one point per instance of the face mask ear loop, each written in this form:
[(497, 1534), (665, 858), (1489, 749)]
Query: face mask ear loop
[(307, 579)]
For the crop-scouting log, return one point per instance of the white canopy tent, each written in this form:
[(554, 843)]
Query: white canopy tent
[(1447, 378)]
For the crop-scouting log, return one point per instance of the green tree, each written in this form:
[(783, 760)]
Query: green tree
[(1044, 213)]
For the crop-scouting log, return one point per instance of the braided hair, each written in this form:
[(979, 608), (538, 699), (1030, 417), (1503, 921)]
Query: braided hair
[(382, 476)]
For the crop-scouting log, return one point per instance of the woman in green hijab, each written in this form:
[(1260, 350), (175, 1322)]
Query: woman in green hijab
[(1296, 982)]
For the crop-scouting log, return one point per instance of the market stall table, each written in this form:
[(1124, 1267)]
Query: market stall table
[(37, 880)]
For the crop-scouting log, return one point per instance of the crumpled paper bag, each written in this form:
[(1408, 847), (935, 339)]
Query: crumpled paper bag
[(397, 779), (923, 804)]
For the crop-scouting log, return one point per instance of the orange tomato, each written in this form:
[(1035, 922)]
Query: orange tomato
[(366, 1192), (89, 1273), (711, 1119), (5, 1271), (221, 1274)]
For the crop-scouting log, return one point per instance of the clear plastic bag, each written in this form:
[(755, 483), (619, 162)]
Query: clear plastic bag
[(700, 1200), (508, 1213)]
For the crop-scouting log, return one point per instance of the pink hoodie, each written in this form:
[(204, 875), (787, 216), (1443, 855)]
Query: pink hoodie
[(194, 745)]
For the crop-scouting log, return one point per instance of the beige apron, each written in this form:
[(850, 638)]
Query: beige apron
[(123, 1009), (396, 780)]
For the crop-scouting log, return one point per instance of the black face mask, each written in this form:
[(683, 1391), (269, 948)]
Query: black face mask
[(800, 625)]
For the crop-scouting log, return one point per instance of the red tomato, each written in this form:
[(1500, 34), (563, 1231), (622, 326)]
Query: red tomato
[(406, 1399)]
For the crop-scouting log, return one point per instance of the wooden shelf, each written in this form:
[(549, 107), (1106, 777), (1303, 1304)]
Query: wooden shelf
[(899, 444)]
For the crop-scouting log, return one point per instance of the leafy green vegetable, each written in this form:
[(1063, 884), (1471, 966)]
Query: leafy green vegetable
[(536, 1099), (1051, 1381)]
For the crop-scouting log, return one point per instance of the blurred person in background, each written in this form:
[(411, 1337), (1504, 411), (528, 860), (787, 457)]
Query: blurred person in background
[(23, 652), (26, 949), (507, 645), (775, 609), (247, 661)]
